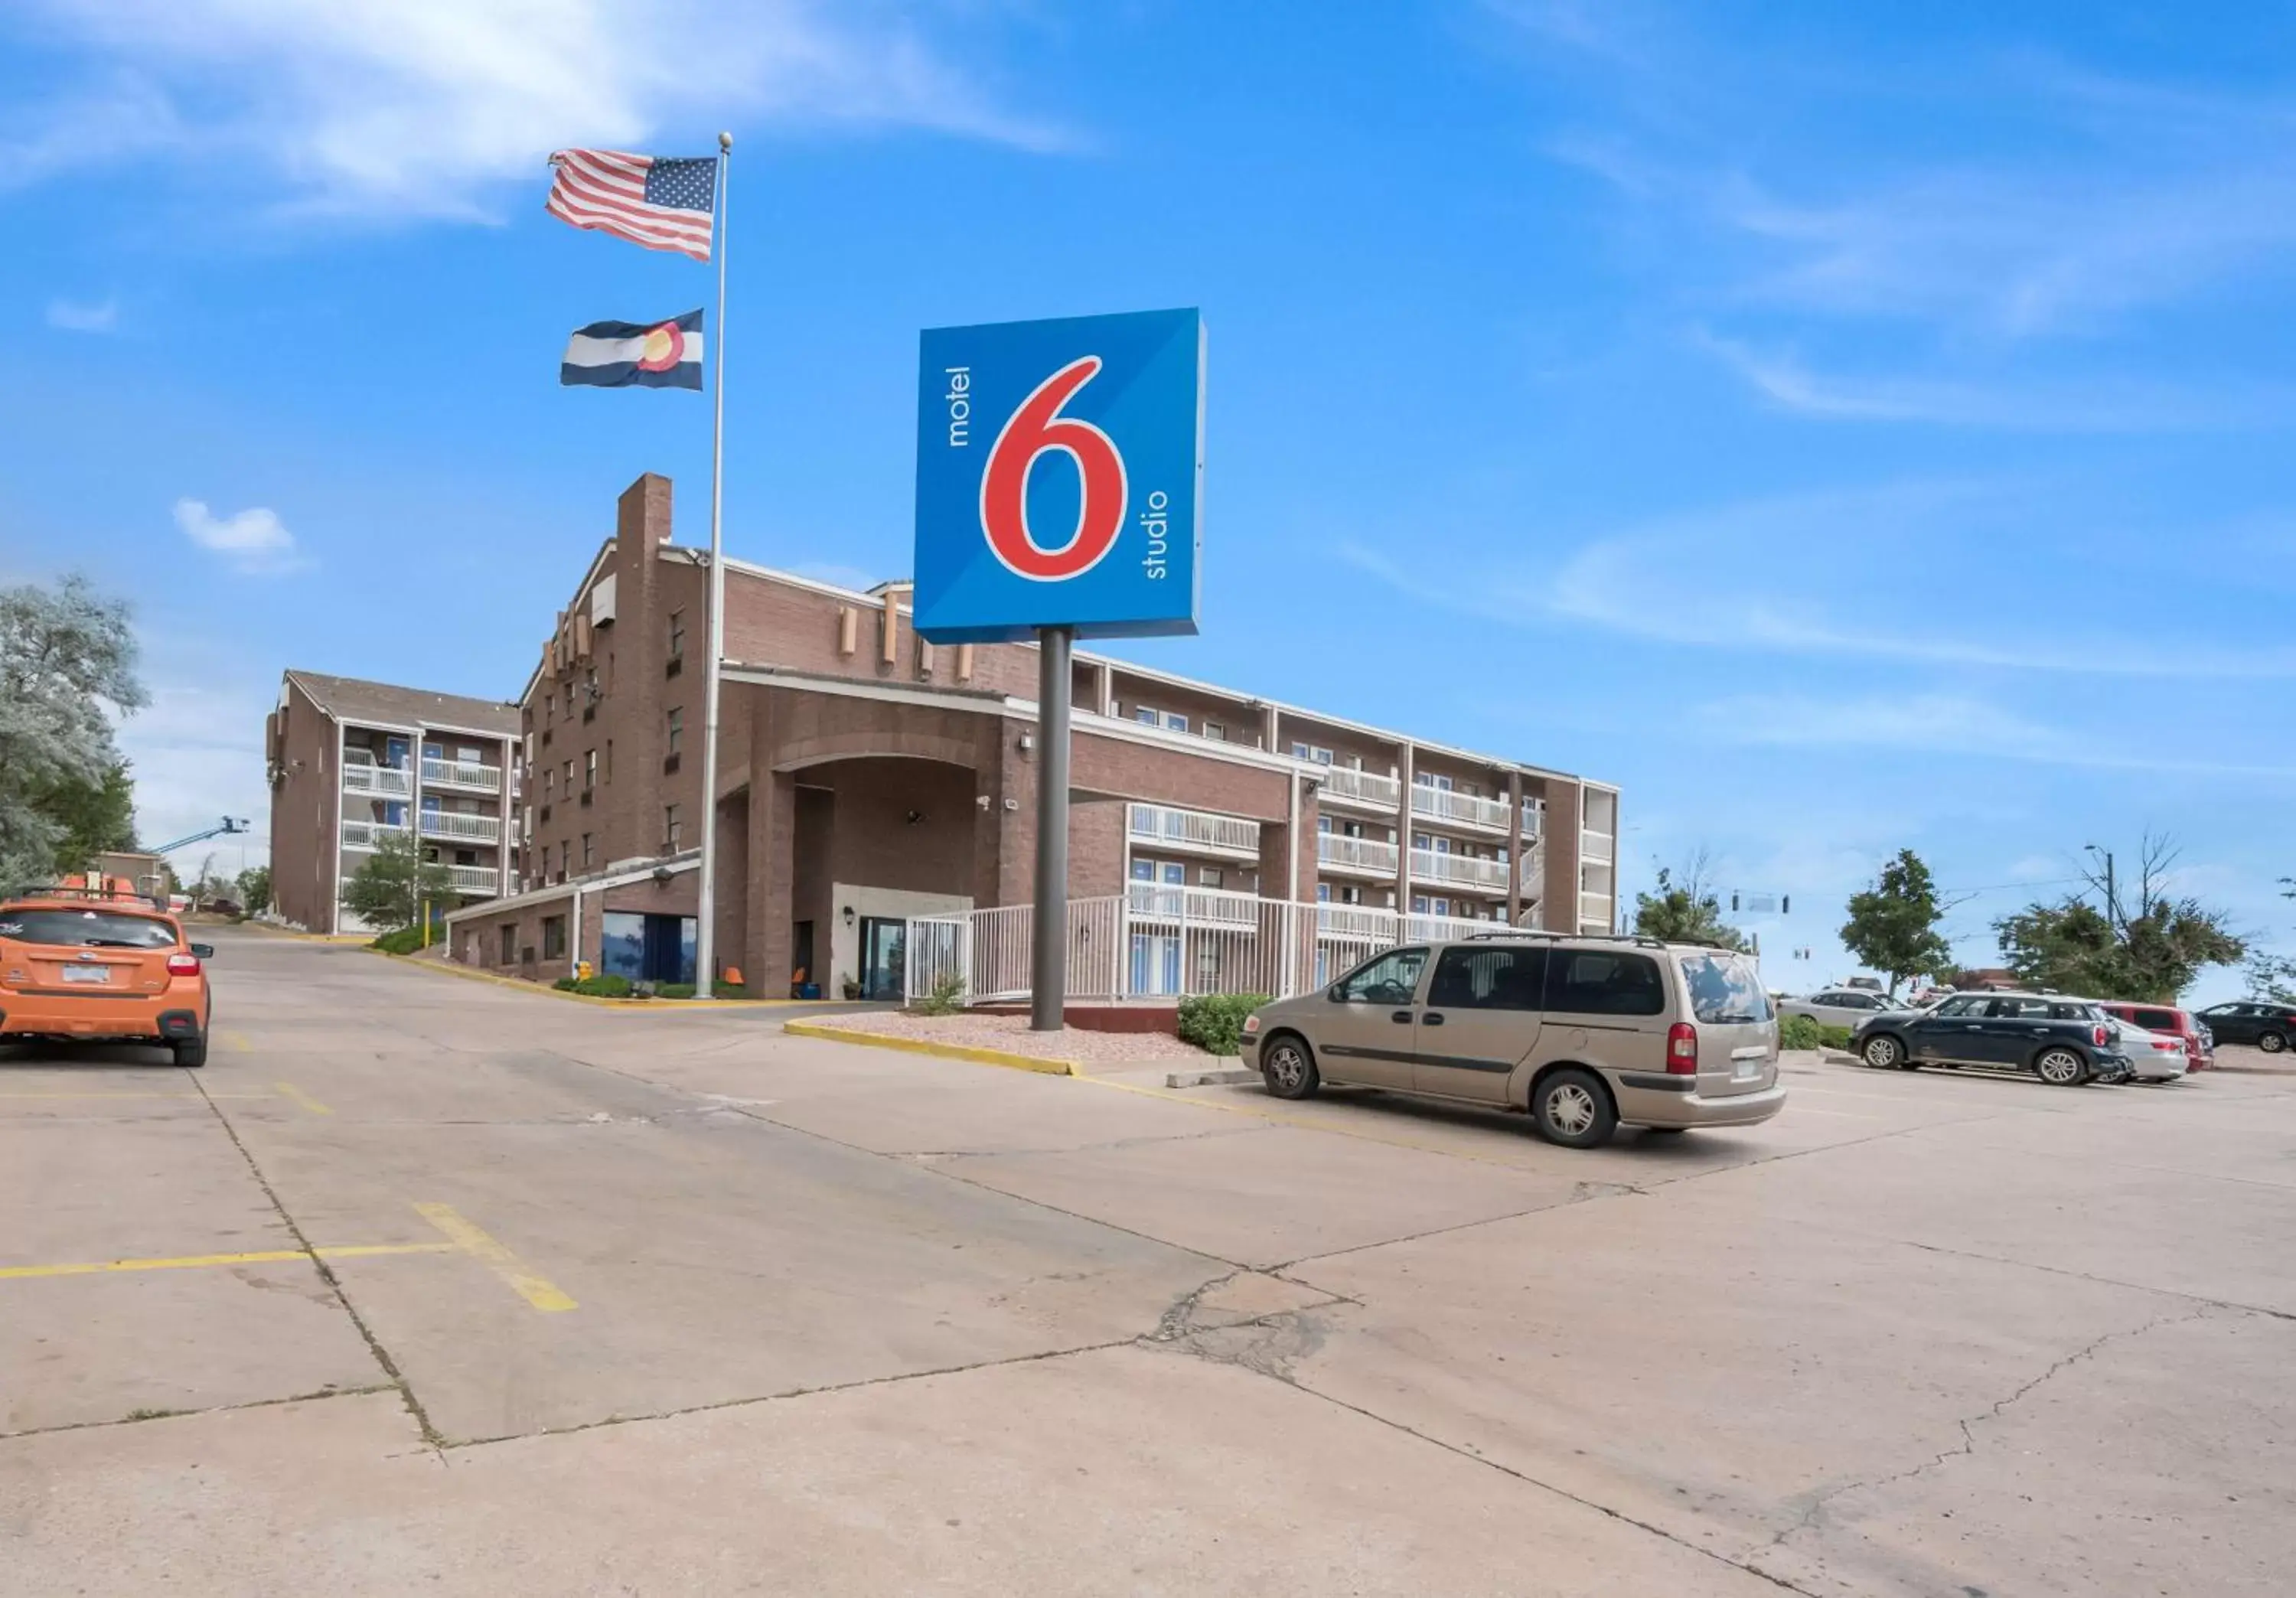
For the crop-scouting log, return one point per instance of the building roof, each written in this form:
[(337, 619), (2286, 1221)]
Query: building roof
[(351, 699)]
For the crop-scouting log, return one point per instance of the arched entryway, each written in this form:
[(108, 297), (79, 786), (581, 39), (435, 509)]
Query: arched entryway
[(877, 839)]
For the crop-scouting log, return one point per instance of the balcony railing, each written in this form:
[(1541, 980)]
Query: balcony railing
[(363, 834), (1594, 909), (1157, 901), (1597, 849), (461, 774), (1352, 787), (475, 878), (1464, 870), (1465, 809), (1335, 851), (1534, 819), (1195, 830), (389, 780), (453, 824)]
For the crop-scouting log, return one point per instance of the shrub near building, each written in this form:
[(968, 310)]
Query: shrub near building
[(1214, 1023)]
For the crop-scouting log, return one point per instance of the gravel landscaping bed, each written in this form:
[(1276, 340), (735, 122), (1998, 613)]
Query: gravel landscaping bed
[(1011, 1033)]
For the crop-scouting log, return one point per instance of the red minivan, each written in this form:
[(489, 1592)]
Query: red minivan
[(2200, 1051)]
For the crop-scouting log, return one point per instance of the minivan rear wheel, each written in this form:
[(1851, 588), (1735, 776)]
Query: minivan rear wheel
[(1571, 1108), (1288, 1068)]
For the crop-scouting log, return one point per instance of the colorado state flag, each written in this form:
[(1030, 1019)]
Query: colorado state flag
[(614, 355)]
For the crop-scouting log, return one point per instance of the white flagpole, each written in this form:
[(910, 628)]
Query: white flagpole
[(705, 931)]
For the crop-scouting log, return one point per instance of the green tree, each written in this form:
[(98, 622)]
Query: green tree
[(94, 817), (390, 891), (1892, 925), (67, 668), (2119, 941), (2274, 976), (1691, 913), (255, 889)]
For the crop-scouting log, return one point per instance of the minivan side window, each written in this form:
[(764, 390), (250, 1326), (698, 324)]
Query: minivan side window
[(2159, 1020), (1605, 982), (1490, 978), (1392, 978)]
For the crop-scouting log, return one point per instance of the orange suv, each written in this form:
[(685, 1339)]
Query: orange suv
[(86, 965)]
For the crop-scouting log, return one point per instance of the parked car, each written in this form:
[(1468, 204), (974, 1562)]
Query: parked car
[(2270, 1027), (1584, 1032), (2199, 1046), (1839, 1006), (2153, 1056), (2064, 1041), (87, 966)]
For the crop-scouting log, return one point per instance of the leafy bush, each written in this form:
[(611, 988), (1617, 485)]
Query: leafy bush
[(597, 987), (406, 940), (1215, 1023), (947, 997), (673, 990), (1808, 1032), (1833, 1037)]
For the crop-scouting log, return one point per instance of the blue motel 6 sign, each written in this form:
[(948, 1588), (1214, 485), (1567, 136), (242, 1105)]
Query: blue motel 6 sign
[(1059, 469)]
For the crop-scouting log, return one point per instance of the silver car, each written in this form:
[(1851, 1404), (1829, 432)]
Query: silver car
[(1583, 1032), (1840, 1007)]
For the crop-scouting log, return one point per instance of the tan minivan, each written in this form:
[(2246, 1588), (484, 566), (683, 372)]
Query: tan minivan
[(1583, 1031)]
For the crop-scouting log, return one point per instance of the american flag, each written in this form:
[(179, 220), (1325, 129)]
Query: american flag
[(663, 202)]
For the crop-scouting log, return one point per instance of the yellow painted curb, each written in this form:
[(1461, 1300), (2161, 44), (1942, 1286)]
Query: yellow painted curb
[(946, 1050), (546, 991)]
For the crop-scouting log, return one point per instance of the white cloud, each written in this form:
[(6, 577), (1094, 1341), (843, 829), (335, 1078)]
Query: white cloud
[(254, 540), (419, 107), (81, 316), (1826, 574), (2094, 407)]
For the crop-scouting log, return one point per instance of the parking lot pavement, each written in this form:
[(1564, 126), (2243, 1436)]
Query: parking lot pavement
[(446, 1285)]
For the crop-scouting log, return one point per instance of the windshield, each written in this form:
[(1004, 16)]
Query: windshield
[(86, 928), (1723, 988)]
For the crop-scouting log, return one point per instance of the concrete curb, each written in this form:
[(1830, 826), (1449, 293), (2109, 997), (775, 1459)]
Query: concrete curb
[(1227, 1079), (544, 991), (946, 1050)]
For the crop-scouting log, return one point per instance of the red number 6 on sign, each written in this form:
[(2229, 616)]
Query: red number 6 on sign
[(1034, 428)]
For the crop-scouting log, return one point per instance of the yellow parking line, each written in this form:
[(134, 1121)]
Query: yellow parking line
[(194, 1261), (237, 1043), (301, 1100), (543, 1294)]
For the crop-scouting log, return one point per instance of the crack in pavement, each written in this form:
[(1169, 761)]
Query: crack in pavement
[(144, 1417), (1992, 1411)]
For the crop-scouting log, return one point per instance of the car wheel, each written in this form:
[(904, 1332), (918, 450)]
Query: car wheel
[(2061, 1068), (1571, 1108), (1884, 1054), (191, 1054), (1289, 1068), (2272, 1043)]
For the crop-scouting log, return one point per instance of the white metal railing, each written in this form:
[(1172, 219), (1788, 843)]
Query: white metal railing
[(1593, 907), (475, 878), (461, 774), (1534, 818), (1339, 852), (363, 834), (1360, 787), (454, 823), (1195, 830), (1597, 849), (1427, 866), (390, 780), (1160, 942), (1468, 809)]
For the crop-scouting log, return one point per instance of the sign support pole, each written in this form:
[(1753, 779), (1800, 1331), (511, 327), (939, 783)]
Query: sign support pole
[(705, 931), (1049, 984)]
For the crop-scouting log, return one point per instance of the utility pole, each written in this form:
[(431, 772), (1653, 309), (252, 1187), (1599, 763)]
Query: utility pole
[(2111, 894)]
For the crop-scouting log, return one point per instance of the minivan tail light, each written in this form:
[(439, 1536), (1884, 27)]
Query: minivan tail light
[(183, 965), (1682, 1050)]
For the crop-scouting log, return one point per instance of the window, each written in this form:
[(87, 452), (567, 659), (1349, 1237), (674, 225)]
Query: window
[(1724, 989), (1211, 876), (589, 853), (1213, 729), (1604, 982), (1323, 823), (1323, 893), (554, 937), (1966, 1005), (1310, 751), (466, 856), (678, 729), (570, 776), (1175, 721), (1143, 713), (610, 760), (510, 943), (89, 928), (1493, 978), (1144, 871), (676, 634), (1392, 978), (2022, 1009), (671, 828), (1418, 904), (2159, 1021), (590, 770), (564, 850), (1353, 895)]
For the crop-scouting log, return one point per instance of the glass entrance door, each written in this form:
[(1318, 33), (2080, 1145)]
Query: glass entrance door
[(883, 958)]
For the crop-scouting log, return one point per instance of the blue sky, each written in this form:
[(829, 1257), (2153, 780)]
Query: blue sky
[(1841, 427)]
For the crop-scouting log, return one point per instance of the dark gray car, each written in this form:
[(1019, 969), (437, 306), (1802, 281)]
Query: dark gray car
[(2064, 1041)]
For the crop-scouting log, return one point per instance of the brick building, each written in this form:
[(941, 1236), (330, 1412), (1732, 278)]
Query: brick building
[(866, 777), (350, 761)]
